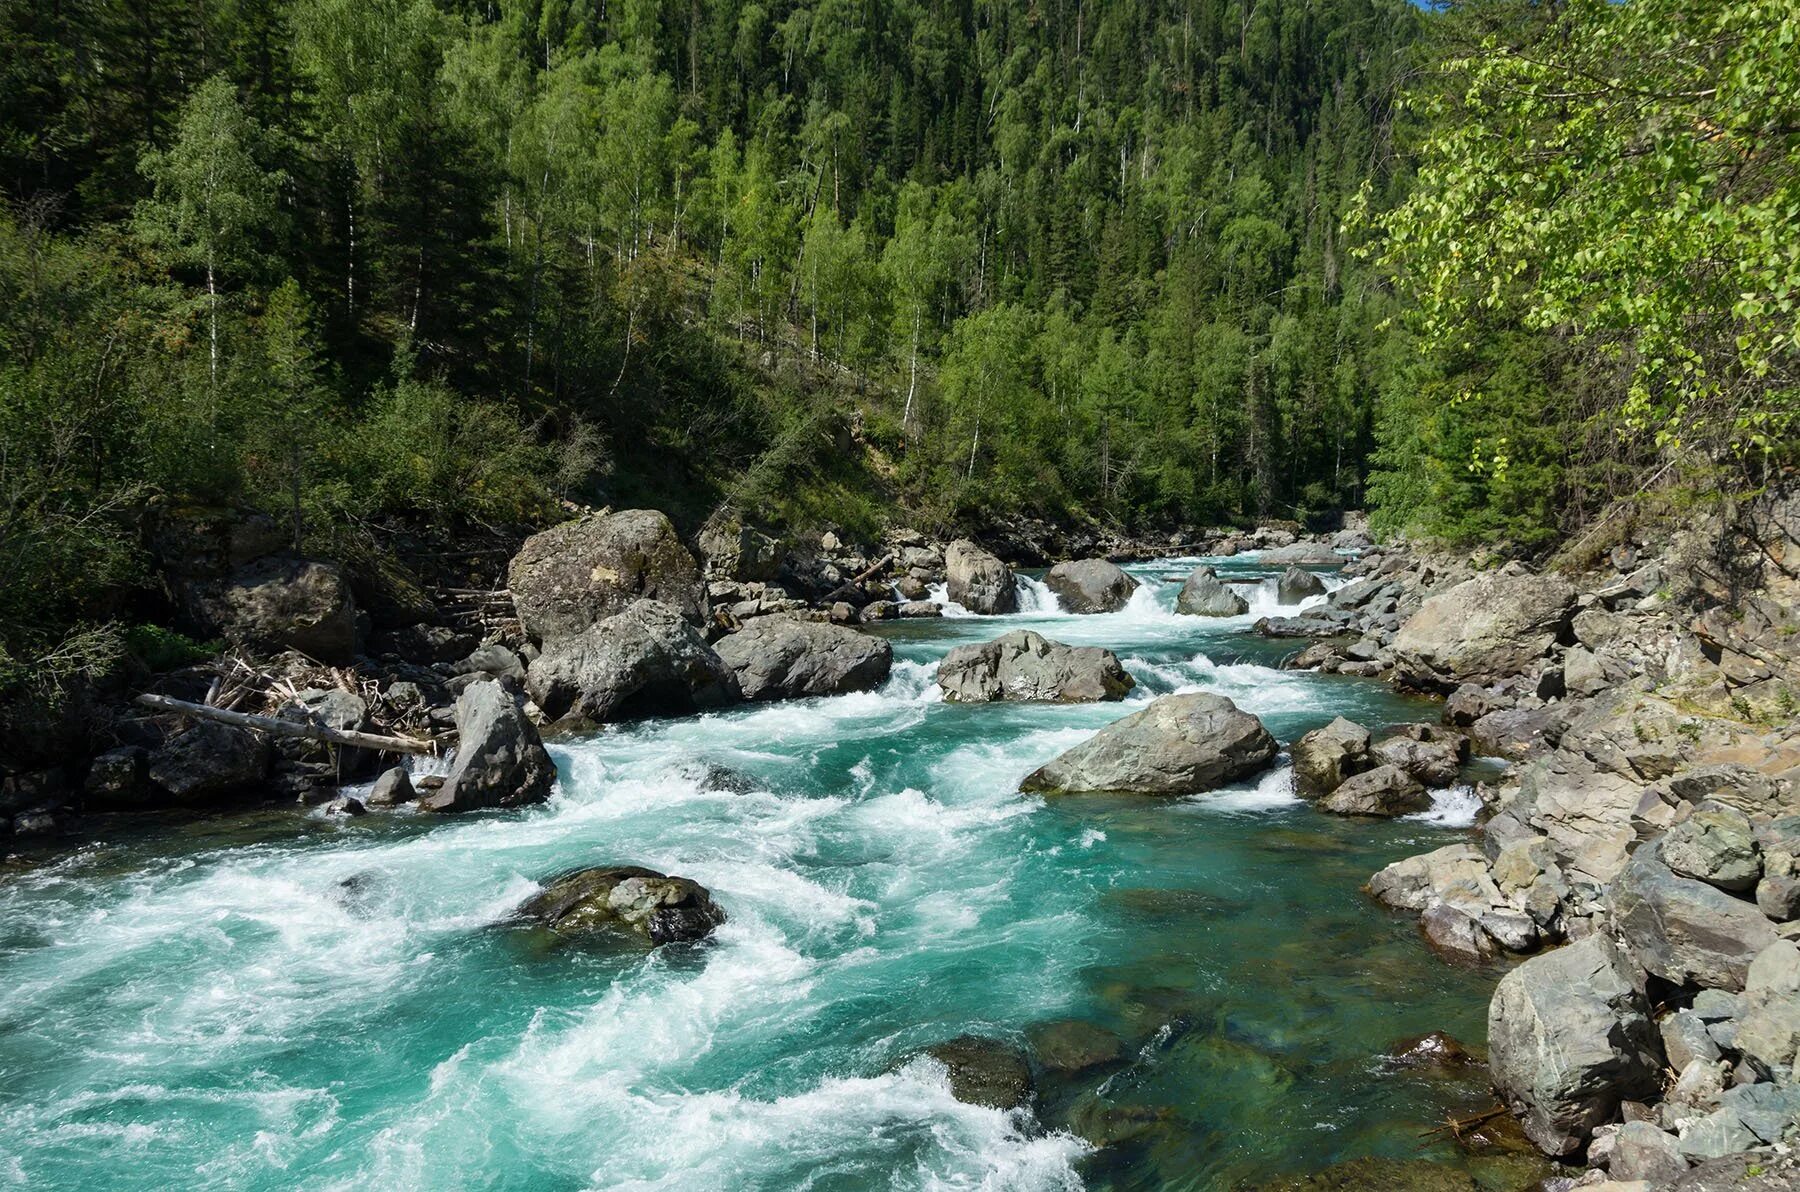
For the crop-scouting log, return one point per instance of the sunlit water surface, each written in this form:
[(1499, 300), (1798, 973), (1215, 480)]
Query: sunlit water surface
[(272, 1002)]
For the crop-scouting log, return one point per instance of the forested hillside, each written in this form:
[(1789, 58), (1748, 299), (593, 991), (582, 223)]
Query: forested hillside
[(422, 262)]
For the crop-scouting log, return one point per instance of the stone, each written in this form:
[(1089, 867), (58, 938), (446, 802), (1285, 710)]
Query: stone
[(1434, 1050), (1642, 1152), (1769, 1111), (393, 788), (1072, 1046), (1433, 763), (1684, 930), (645, 661), (914, 609), (208, 760), (115, 780), (1568, 1038), (1685, 1039), (1025, 665), (1583, 672), (1414, 883), (1303, 626), (615, 898), (1178, 745), (1486, 629), (1204, 594), (1717, 845), (978, 580), (500, 760), (1467, 704), (1325, 757), (1519, 734), (985, 1071), (573, 576), (735, 551), (1455, 934), (1296, 585), (1090, 586), (1769, 1032), (277, 604), (1383, 791), (424, 644), (1720, 1132), (787, 658), (492, 659), (345, 806), (1301, 554)]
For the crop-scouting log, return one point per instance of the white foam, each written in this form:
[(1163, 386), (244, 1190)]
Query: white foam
[(1272, 791), (1036, 599), (939, 594), (1453, 807)]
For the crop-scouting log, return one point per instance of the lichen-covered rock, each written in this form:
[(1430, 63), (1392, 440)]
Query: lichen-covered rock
[(1485, 629), (1325, 757), (978, 580), (1204, 594), (1179, 745), (500, 759), (1568, 1039), (787, 658), (1717, 845), (660, 908), (1686, 931), (575, 575), (645, 661), (279, 604), (1090, 586), (1025, 665), (1386, 790)]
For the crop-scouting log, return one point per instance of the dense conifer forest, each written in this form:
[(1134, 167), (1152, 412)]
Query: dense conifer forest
[(1482, 269)]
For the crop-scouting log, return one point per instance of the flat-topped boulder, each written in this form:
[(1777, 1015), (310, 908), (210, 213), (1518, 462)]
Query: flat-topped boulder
[(1090, 586), (1179, 745), (1486, 629), (1302, 554), (500, 759), (789, 658), (978, 580), (1025, 665), (1204, 594), (577, 574), (625, 898), (644, 661)]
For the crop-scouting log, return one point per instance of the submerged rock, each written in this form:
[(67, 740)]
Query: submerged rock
[(985, 1071), (978, 580), (1025, 665), (787, 658), (645, 661), (1074, 1045), (1434, 1050), (581, 572), (1090, 586), (500, 759), (662, 909), (1179, 745), (1204, 594)]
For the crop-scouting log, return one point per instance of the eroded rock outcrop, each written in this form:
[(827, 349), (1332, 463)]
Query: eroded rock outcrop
[(1491, 627), (577, 574), (1025, 665)]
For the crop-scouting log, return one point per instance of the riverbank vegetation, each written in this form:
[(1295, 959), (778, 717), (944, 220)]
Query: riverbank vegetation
[(1482, 269)]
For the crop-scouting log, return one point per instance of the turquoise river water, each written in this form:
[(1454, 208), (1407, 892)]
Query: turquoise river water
[(283, 1001)]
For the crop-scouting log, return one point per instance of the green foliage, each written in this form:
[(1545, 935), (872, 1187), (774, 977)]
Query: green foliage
[(160, 649)]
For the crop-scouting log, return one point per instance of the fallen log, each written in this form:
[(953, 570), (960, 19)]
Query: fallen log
[(870, 573), (288, 728)]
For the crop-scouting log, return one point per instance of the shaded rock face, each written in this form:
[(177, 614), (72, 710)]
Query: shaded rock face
[(579, 573), (1686, 931), (115, 780), (979, 581), (1090, 586), (1385, 791), (1024, 665), (1179, 745), (279, 604), (500, 760), (1204, 594), (660, 908), (985, 1071), (645, 661), (1296, 585), (1568, 1038), (739, 552), (1483, 630), (785, 658), (207, 760), (1325, 757)]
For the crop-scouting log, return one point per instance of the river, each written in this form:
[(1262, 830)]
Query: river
[(281, 1001)]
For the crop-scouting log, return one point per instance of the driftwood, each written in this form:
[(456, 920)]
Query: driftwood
[(852, 582), (288, 728)]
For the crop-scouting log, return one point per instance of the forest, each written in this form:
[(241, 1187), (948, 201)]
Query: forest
[(1482, 269)]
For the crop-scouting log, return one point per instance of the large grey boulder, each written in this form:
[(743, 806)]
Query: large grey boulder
[(208, 760), (1486, 629), (734, 551), (1024, 665), (581, 572), (1684, 930), (279, 604), (1090, 586), (500, 759), (645, 661), (1204, 594), (787, 658), (660, 908), (978, 580), (1717, 845), (1296, 585), (1179, 745), (1433, 757), (1302, 554), (1568, 1039), (1386, 791), (1325, 757)]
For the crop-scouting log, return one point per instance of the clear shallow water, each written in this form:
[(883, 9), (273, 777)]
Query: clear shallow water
[(272, 1003)]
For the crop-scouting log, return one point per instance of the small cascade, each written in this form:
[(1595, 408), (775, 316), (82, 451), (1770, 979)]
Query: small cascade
[(939, 594), (1036, 598)]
